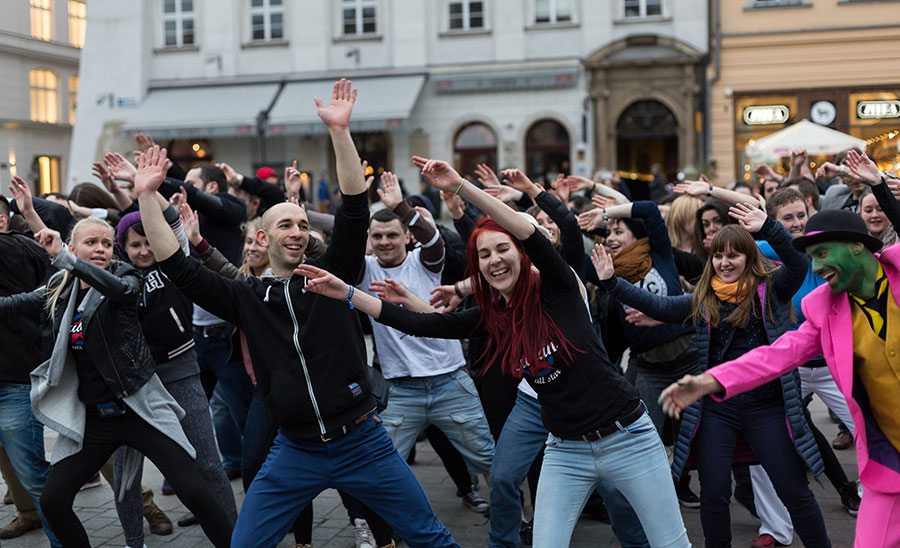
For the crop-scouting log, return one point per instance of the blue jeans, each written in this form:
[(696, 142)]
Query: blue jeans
[(449, 402), (363, 464), (761, 422), (22, 436), (632, 460), (519, 443)]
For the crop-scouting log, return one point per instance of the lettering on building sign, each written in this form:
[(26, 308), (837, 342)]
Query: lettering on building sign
[(766, 115), (877, 110)]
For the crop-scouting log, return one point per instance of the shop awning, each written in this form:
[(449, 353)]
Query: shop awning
[(814, 138), (202, 111), (384, 102)]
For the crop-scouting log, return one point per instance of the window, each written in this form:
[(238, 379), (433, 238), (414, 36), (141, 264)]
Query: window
[(474, 144), (358, 17), (643, 8), (77, 22), (552, 11), (43, 96), (73, 98), (546, 150), (466, 15), (42, 19), (47, 168), (266, 20), (177, 23)]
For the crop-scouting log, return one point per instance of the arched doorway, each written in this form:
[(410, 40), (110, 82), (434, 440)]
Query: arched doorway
[(647, 134), (474, 144), (546, 150)]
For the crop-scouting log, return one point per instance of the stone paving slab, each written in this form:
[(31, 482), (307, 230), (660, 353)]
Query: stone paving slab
[(331, 527)]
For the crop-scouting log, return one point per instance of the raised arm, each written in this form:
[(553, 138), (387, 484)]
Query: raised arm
[(570, 239), (22, 194), (336, 115), (864, 169), (705, 189), (426, 233)]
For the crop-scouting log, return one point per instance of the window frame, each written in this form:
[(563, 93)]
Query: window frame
[(553, 13), (466, 16), (43, 98), (267, 10), (77, 22), (642, 9), (41, 17), (359, 21), (179, 16)]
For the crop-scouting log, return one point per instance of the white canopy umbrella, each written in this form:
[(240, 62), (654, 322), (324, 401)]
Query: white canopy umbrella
[(814, 138)]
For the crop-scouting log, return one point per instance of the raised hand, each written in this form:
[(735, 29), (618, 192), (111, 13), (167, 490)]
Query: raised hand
[(590, 220), (637, 318), (766, 173), (563, 190), (680, 395), (230, 174), (425, 214), (337, 114), (179, 198), (603, 201), (750, 217), (99, 171), (292, 180), (119, 167), (144, 142), (504, 193), (798, 157), (577, 182), (390, 290), (438, 173), (190, 223), (454, 204), (50, 240), (151, 170), (692, 188), (862, 167), (322, 282), (603, 262), (486, 176), (21, 194), (828, 170), (518, 180), (390, 193), (444, 298)]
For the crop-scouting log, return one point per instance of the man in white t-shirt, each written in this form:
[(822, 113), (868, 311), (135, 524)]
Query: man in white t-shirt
[(429, 383)]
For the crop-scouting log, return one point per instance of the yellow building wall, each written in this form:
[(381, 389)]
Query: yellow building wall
[(828, 45)]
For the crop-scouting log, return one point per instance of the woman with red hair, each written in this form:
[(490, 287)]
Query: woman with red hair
[(531, 307)]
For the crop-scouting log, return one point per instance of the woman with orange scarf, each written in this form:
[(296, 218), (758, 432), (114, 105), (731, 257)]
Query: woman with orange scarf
[(741, 301)]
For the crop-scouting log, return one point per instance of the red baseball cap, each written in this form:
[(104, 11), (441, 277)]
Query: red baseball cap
[(266, 172)]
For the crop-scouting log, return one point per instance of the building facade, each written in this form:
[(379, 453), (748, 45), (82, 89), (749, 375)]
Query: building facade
[(40, 45), (775, 62), (547, 85)]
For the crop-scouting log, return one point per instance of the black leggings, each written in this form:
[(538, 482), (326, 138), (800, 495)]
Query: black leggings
[(102, 436)]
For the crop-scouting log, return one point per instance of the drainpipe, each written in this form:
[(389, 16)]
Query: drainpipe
[(717, 73), (262, 123)]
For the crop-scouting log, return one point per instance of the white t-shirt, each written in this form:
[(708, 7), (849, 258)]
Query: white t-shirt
[(403, 355)]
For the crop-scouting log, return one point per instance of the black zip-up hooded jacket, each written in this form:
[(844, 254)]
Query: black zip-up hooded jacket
[(308, 351)]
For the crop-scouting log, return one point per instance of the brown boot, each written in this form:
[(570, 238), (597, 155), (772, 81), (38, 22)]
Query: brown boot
[(159, 522), (18, 527)]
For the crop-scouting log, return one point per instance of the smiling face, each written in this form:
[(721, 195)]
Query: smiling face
[(499, 261), (620, 237), (792, 217), (729, 264), (388, 241), (837, 263), (256, 255), (711, 222), (94, 244), (285, 232), (545, 221), (876, 220), (138, 249)]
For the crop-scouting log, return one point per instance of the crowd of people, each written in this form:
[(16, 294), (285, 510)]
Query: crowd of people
[(559, 335)]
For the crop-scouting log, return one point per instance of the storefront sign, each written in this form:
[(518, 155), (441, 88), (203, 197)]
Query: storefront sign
[(877, 110), (766, 115), (476, 83)]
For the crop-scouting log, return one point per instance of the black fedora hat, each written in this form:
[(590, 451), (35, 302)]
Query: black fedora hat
[(836, 225)]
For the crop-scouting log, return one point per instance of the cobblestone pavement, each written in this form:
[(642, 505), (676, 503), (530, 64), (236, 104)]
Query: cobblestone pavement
[(331, 527)]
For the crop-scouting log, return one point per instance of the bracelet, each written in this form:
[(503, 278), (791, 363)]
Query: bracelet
[(350, 297), (605, 215), (461, 183), (458, 291), (709, 192)]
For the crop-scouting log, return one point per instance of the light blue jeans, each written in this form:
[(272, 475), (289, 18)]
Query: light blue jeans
[(450, 402), (632, 461)]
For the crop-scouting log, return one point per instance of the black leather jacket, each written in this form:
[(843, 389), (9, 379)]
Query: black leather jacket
[(113, 337)]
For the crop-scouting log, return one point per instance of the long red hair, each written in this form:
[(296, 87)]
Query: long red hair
[(520, 328)]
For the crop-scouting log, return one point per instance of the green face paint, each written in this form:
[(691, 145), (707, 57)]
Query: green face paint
[(843, 266)]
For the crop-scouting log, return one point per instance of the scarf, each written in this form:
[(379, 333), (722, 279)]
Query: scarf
[(729, 292), (634, 262)]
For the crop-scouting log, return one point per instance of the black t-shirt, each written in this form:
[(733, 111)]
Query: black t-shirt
[(92, 389)]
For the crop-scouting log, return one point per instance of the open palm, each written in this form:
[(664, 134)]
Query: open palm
[(337, 114)]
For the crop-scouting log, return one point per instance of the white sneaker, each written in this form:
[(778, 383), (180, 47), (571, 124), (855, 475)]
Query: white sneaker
[(363, 535)]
